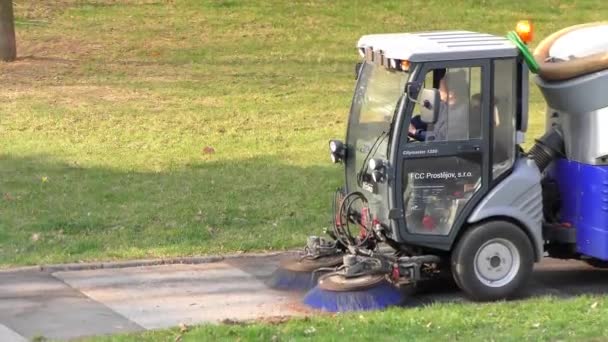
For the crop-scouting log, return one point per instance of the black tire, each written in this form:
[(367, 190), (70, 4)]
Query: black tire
[(597, 263), (492, 244)]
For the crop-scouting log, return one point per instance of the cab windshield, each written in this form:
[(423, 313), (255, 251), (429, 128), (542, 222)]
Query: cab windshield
[(375, 101), (376, 98)]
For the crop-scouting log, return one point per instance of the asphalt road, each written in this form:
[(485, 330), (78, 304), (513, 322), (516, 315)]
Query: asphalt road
[(71, 304)]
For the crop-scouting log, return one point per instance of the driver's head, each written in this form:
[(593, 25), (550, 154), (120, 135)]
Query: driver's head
[(453, 87)]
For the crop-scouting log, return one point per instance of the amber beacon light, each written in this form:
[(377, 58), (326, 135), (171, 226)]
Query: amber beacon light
[(525, 30)]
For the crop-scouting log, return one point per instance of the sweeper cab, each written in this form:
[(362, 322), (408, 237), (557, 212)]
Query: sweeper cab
[(436, 180)]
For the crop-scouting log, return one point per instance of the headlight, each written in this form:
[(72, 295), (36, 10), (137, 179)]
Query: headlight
[(377, 176), (378, 169), (335, 146), (375, 164), (337, 149), (332, 146), (372, 164)]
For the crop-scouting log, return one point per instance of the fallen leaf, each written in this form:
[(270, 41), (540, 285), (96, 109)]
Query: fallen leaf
[(310, 330), (594, 305), (536, 325), (229, 321), (429, 325), (45, 179), (208, 150)]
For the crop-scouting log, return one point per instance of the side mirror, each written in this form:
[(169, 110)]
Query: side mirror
[(412, 90), (358, 70), (430, 102)]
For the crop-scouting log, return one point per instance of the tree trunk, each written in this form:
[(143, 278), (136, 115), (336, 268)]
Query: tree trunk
[(8, 48)]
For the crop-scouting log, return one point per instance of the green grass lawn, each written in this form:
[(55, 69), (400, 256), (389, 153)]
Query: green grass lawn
[(108, 118), (543, 319)]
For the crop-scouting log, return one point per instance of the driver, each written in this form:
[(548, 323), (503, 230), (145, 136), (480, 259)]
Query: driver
[(453, 91)]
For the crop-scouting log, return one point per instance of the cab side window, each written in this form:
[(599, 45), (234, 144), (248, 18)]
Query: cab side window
[(504, 115), (460, 113)]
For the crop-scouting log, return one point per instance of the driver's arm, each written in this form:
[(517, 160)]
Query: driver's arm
[(418, 134), (417, 128)]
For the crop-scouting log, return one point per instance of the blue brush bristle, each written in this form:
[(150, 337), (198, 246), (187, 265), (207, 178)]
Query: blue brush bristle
[(283, 279), (378, 297)]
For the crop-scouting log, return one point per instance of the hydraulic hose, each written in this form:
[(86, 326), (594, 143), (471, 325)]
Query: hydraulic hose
[(547, 148), (342, 230)]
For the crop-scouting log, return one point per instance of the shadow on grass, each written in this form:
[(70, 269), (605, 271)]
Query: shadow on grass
[(54, 211), (562, 279), (557, 278)]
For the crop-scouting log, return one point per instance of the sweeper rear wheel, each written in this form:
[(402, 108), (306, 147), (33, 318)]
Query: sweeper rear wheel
[(492, 260)]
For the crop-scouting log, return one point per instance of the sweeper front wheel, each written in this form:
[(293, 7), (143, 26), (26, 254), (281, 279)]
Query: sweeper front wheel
[(492, 261)]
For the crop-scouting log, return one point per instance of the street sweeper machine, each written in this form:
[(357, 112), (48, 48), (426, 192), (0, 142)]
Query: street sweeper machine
[(436, 182)]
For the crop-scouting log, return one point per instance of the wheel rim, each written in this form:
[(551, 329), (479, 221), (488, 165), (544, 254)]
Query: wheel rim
[(497, 262)]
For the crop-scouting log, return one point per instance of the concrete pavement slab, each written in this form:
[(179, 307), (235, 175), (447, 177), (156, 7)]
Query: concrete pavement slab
[(34, 303), (71, 304), (8, 335), (164, 296)]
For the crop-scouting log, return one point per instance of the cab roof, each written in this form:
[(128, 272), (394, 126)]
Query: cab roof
[(437, 45)]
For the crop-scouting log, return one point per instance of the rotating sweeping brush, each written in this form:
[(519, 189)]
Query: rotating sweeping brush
[(298, 274), (336, 293)]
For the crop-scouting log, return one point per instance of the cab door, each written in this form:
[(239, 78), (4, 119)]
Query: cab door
[(442, 173)]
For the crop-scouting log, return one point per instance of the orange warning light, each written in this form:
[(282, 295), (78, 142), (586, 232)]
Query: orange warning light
[(525, 30)]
